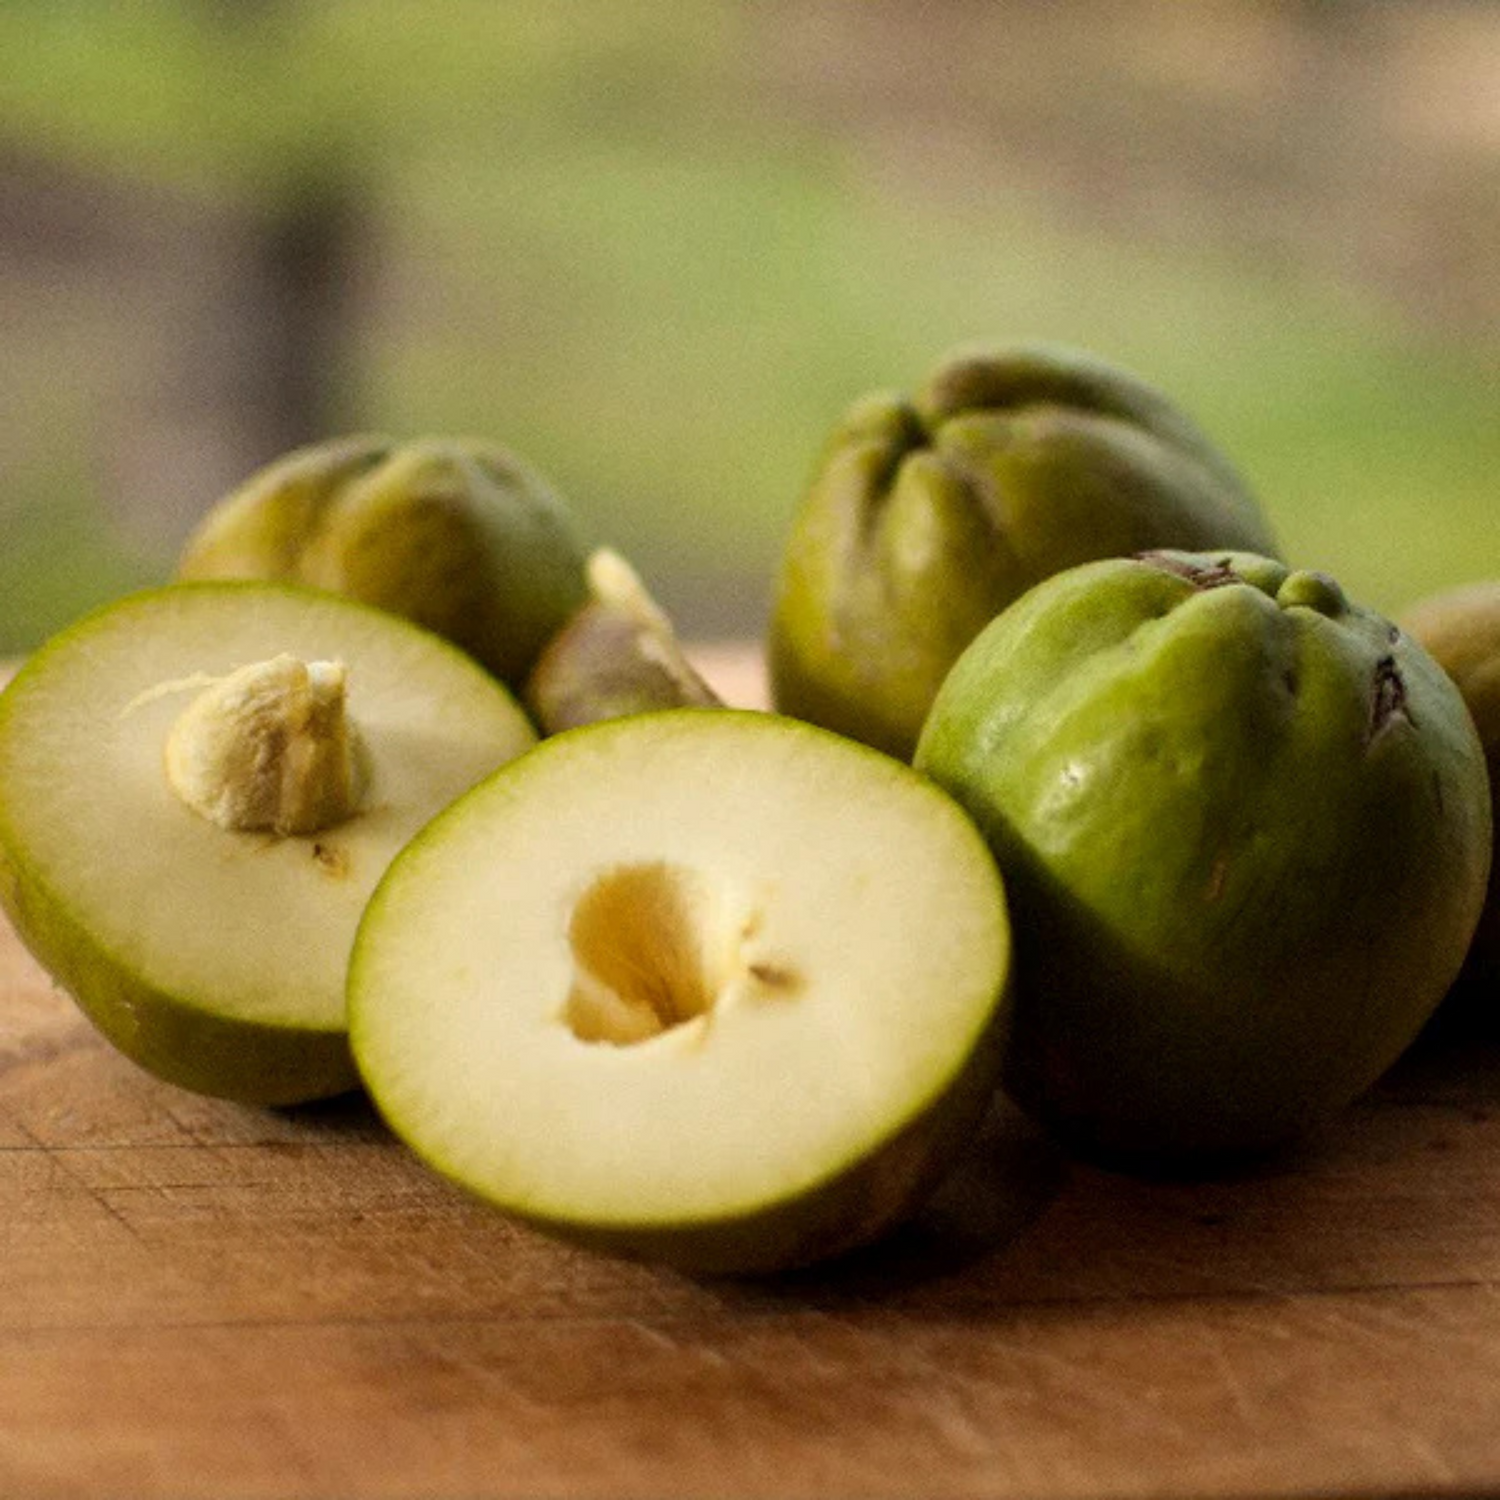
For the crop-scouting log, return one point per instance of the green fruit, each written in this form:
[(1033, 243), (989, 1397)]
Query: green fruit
[(928, 516), (1245, 827), (617, 654), (199, 788), (705, 986), (1461, 629), (458, 535)]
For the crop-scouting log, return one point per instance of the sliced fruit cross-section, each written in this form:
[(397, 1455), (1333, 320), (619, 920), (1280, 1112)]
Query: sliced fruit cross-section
[(703, 985), (199, 788)]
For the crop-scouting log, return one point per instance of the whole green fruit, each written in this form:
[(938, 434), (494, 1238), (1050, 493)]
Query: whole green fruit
[(1460, 627), (928, 516), (457, 534), (1245, 827)]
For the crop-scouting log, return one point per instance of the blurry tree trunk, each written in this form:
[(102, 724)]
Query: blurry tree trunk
[(197, 339), (243, 355)]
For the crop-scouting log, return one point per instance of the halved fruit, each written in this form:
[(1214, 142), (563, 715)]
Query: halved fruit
[(704, 985), (199, 788)]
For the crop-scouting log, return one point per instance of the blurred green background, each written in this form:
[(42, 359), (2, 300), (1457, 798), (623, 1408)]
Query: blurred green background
[(658, 248)]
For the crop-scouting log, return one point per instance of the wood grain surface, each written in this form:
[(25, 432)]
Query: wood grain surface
[(201, 1299)]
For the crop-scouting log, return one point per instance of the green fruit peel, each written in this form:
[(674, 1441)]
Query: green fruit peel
[(928, 515), (1246, 829), (1460, 627), (458, 535)]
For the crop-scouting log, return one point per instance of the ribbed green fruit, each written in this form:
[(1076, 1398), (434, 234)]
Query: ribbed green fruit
[(1245, 826), (928, 516), (457, 534)]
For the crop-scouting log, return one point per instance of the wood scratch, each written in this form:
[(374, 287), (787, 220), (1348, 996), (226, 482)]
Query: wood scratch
[(1433, 1462), (62, 1165), (1136, 1408), (34, 1047), (1245, 1407)]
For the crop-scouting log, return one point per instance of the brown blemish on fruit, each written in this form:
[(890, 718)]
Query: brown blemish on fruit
[(1216, 878), (331, 859), (774, 976), (1218, 575), (1387, 698)]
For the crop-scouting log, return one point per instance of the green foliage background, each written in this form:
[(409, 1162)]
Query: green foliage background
[(603, 243)]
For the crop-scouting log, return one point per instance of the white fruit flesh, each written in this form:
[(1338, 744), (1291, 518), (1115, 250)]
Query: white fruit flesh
[(676, 968), (246, 925)]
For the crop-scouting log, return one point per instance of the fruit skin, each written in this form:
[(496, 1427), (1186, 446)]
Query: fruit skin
[(454, 533), (169, 1034), (1460, 627), (850, 1208), (1245, 829), (164, 1033), (618, 654), (928, 516)]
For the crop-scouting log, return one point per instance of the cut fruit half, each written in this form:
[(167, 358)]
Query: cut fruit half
[(705, 985), (199, 788)]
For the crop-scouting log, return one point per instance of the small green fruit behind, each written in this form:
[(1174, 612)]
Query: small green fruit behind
[(1460, 627), (704, 986), (215, 956), (1245, 827), (928, 516), (457, 534)]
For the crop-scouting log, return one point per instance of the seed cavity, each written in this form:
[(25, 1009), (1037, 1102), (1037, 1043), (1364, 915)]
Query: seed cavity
[(657, 947)]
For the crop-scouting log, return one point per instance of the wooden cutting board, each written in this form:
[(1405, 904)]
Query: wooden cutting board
[(200, 1299)]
